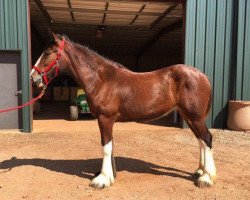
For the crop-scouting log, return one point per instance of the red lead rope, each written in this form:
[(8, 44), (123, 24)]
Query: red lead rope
[(26, 104)]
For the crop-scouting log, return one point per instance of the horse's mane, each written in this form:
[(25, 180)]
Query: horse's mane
[(92, 52)]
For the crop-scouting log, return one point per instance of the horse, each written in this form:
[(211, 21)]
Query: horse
[(116, 94)]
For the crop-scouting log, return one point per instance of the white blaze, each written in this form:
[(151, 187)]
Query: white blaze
[(201, 162), (37, 63)]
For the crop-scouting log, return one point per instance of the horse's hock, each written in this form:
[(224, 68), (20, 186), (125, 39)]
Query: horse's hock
[(239, 115)]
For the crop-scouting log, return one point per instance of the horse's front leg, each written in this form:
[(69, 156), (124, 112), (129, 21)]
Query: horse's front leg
[(108, 172)]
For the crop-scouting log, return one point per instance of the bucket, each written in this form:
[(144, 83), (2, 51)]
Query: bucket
[(239, 115)]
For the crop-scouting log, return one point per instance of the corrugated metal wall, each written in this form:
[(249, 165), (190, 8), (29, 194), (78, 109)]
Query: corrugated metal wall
[(208, 48), (14, 36), (216, 31), (243, 52)]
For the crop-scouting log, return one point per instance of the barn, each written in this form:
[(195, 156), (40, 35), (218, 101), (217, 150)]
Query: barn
[(211, 35)]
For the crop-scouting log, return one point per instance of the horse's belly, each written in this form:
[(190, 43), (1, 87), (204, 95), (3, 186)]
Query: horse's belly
[(144, 113)]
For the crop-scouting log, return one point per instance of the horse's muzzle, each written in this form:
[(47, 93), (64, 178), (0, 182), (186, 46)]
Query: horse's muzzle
[(37, 81)]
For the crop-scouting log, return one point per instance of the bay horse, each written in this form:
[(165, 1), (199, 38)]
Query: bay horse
[(115, 93)]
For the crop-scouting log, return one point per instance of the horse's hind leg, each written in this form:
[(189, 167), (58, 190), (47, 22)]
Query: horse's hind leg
[(108, 172), (207, 169), (199, 171)]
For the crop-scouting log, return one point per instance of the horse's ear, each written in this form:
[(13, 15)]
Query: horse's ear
[(56, 38)]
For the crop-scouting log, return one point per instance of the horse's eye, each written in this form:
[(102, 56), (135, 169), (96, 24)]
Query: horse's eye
[(49, 52)]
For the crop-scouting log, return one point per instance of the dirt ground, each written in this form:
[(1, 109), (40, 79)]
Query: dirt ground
[(60, 157)]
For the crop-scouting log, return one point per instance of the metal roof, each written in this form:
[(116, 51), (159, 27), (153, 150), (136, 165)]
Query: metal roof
[(127, 26)]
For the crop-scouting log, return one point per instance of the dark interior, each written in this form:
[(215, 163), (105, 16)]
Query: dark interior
[(141, 35)]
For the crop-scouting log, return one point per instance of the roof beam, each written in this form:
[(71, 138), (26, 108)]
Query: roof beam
[(44, 11), (104, 11), (71, 12), (158, 35), (79, 24), (141, 1), (161, 17), (142, 8), (105, 14)]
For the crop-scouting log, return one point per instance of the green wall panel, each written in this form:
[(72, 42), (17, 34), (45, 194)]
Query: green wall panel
[(208, 47), (2, 28), (14, 36), (209, 52), (243, 52)]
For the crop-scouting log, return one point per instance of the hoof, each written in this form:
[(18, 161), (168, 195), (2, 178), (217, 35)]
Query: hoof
[(204, 181), (198, 173), (102, 181)]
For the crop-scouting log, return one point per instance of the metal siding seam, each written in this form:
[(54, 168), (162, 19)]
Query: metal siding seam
[(246, 72), (195, 31), (11, 25), (15, 24), (19, 25), (26, 80), (227, 58), (210, 48), (189, 36), (23, 44), (224, 60), (243, 48), (218, 78), (187, 33), (2, 28), (6, 25), (190, 32), (240, 41), (233, 69), (209, 117), (200, 33), (214, 59)]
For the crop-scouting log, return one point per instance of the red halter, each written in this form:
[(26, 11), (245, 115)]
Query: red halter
[(55, 63)]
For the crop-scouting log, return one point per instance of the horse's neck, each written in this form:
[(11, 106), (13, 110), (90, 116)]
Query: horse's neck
[(84, 68)]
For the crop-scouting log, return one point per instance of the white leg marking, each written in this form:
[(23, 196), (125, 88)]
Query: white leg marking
[(209, 169), (199, 170), (106, 178), (209, 166)]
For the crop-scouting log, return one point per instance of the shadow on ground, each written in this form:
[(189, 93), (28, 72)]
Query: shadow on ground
[(87, 168)]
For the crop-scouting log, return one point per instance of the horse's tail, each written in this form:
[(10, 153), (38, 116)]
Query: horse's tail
[(209, 104)]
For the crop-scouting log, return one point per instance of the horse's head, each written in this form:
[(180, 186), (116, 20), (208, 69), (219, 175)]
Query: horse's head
[(48, 65)]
